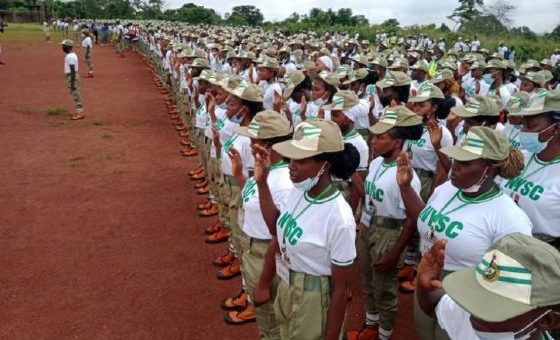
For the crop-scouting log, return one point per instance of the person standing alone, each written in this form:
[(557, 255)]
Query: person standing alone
[(87, 44), (72, 77)]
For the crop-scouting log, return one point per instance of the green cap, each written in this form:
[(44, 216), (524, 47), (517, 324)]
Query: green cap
[(292, 80), (540, 78), (362, 59), (246, 91), (215, 78), (343, 100), (426, 92), (67, 42), (399, 63), (516, 275), (477, 65), (518, 101), (230, 81), (541, 102), (326, 76), (343, 71), (496, 63), (394, 117), (311, 138), (266, 124), (421, 65), (200, 63), (394, 79), (480, 142), (381, 61), (268, 62), (442, 75), (447, 64), (205, 75), (478, 105), (355, 75)]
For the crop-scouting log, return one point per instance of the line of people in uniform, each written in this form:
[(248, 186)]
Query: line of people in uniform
[(314, 162)]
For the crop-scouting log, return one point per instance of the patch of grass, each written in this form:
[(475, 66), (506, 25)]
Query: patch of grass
[(24, 110), (56, 111), (32, 32), (99, 122)]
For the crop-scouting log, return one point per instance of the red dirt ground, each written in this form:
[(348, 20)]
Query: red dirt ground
[(98, 233)]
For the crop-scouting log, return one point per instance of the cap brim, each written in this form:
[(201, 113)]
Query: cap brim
[(243, 131), (417, 99), (288, 150), (380, 128), (288, 92), (463, 287), (526, 112), (458, 153), (462, 112), (435, 81)]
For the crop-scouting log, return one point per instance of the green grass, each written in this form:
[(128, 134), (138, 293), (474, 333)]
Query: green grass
[(56, 111), (31, 32)]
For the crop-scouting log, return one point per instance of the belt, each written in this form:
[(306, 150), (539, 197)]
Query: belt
[(387, 222), (310, 282), (231, 180), (424, 173)]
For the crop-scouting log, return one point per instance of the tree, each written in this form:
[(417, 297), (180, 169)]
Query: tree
[(251, 15), (502, 10), (525, 32), (444, 28), (555, 34), (488, 24), (391, 25), (467, 11), (194, 14)]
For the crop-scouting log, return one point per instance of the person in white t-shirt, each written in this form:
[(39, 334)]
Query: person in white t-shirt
[(72, 77), (47, 32), (512, 293), (496, 69), (266, 129), (344, 114), (512, 128), (385, 229), (537, 189), (313, 247), (470, 211), (362, 82), (267, 71), (295, 96), (87, 44)]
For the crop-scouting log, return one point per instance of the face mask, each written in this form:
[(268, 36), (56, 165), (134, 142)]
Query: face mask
[(309, 183), (530, 141), (235, 119), (223, 106), (488, 78), (320, 102), (476, 187), (510, 335)]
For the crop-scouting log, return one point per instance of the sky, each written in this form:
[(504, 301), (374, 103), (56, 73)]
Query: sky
[(539, 15)]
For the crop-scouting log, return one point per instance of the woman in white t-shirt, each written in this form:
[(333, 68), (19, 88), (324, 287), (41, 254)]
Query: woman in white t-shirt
[(385, 229), (265, 130), (267, 71), (323, 89), (537, 189), (314, 244), (295, 97), (470, 211), (88, 54)]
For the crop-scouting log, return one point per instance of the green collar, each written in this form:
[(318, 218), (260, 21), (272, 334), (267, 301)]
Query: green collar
[(352, 133)]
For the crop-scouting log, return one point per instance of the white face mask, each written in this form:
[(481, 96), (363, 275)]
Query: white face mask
[(308, 183), (510, 335), (474, 187)]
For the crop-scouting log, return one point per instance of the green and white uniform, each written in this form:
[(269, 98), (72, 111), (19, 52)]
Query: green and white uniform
[(512, 133), (314, 234), (470, 225), (537, 191)]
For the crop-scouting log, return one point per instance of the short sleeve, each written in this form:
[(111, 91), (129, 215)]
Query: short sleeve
[(454, 319), (416, 186), (342, 239), (247, 155)]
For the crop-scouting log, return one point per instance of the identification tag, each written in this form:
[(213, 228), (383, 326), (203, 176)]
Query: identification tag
[(282, 269)]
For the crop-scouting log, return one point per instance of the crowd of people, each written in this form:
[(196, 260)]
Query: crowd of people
[(433, 169)]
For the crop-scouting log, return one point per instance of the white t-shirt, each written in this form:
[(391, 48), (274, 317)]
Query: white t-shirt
[(201, 115), (279, 184), (537, 192), (470, 226), (87, 43), (512, 133), (360, 113), (382, 192), (70, 59), (505, 94), (316, 234), (454, 319), (268, 90), (354, 138), (225, 129), (424, 155), (243, 145)]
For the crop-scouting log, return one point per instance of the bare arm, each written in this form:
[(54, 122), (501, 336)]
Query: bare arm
[(337, 309)]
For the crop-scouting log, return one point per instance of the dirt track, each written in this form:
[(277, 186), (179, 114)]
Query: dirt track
[(98, 234)]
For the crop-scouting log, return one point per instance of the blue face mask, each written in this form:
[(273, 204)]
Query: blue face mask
[(319, 102), (530, 141), (236, 119), (308, 183), (488, 78), (222, 106)]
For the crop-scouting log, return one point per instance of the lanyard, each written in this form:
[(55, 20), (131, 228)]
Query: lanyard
[(554, 161), (229, 143), (480, 198), (313, 201), (386, 167)]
